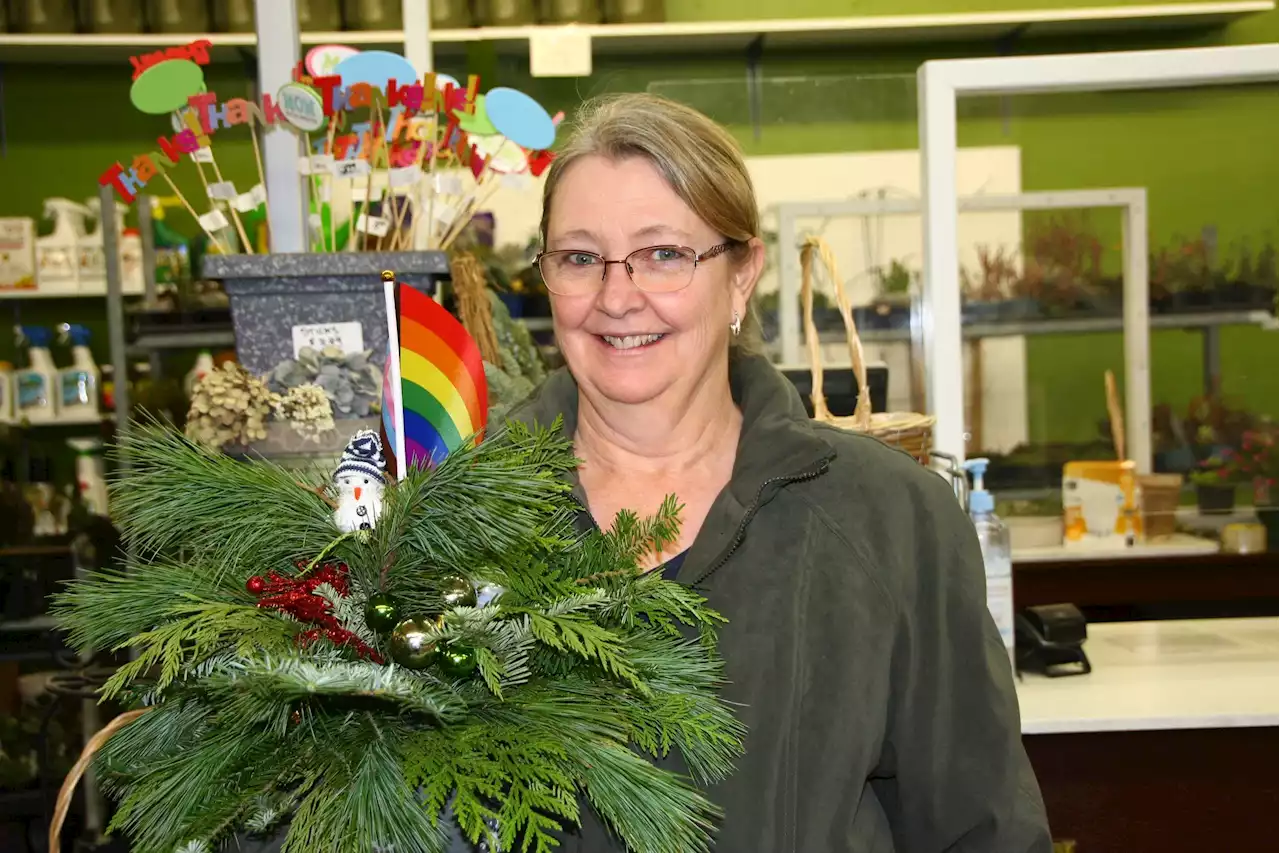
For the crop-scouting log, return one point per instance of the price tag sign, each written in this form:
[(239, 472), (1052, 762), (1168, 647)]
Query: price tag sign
[(444, 212), (351, 168), (405, 176), (448, 185), (202, 155), (251, 200), (375, 225), (320, 164), (348, 337), (515, 180), (225, 190), (214, 220)]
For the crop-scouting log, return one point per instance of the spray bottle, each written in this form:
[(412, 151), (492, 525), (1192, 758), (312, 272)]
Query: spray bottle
[(90, 252), (57, 254), (79, 384), (7, 415), (34, 398), (997, 552), (91, 477)]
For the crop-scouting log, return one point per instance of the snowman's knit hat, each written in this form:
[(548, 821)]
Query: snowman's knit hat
[(363, 456)]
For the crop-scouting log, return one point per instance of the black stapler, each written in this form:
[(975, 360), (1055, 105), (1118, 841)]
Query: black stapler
[(1050, 640)]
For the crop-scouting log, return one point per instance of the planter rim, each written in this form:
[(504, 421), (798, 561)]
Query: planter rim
[(323, 264)]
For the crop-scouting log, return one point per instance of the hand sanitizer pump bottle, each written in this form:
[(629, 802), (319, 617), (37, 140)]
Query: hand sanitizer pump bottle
[(997, 552)]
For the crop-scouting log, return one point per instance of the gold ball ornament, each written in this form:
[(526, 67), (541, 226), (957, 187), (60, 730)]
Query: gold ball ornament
[(457, 660), (457, 592), (412, 646)]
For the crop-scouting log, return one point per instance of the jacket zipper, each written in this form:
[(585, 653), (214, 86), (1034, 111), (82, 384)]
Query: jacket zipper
[(800, 477)]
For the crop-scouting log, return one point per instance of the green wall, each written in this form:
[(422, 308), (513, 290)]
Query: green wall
[(1207, 157)]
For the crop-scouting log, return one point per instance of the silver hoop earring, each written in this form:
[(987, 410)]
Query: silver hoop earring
[(736, 325)]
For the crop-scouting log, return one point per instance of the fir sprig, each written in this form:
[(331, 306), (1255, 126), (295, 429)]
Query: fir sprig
[(198, 629)]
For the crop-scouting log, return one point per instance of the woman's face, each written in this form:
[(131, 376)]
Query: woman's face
[(628, 345)]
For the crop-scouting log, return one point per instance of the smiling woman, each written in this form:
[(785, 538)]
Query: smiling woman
[(858, 649)]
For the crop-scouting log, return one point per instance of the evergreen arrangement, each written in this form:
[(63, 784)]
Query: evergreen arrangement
[(463, 649)]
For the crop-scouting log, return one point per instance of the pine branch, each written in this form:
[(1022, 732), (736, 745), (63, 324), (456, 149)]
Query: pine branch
[(104, 610), (362, 795), (652, 811), (505, 495), (195, 791), (234, 517)]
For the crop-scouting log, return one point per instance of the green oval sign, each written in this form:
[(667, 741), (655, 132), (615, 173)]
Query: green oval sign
[(302, 106)]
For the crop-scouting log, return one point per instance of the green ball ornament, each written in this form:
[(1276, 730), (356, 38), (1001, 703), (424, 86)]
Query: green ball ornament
[(411, 646), (457, 660), (457, 592), (381, 613)]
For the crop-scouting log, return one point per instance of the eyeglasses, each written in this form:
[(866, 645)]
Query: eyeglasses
[(653, 269)]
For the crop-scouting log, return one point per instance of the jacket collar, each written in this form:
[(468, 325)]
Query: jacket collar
[(778, 440)]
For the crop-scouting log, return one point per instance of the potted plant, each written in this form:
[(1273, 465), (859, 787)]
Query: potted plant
[(1159, 283), (1258, 462), (1190, 277), (1266, 276), (1215, 480), (1213, 424), (892, 306), (1069, 257), (986, 292)]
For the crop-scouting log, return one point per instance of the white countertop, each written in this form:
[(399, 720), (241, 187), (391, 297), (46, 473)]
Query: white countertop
[(1177, 545), (1193, 674)]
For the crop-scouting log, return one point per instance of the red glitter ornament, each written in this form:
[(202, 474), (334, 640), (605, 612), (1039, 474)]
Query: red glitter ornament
[(297, 597), (255, 585)]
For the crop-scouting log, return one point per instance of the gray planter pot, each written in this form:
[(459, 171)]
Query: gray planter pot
[(270, 294)]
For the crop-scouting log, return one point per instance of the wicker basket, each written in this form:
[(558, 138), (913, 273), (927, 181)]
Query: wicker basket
[(909, 431)]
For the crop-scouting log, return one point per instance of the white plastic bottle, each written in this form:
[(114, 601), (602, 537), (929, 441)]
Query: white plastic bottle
[(58, 253), (6, 393), (91, 475), (35, 398), (78, 385), (91, 256), (997, 553)]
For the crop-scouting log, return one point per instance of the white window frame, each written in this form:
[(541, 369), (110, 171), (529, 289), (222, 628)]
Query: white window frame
[(940, 84)]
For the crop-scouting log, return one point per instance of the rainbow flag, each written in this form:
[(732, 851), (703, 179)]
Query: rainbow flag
[(435, 395)]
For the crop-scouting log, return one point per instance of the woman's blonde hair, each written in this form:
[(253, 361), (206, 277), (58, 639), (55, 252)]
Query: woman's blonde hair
[(697, 157)]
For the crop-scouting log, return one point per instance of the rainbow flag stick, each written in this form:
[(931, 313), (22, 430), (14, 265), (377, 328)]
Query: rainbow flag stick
[(435, 398), (392, 393)]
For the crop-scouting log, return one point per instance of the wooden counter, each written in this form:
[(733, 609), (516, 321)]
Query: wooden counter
[(1168, 745)]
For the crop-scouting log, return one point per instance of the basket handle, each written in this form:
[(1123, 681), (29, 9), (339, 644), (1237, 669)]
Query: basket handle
[(862, 412), (82, 764)]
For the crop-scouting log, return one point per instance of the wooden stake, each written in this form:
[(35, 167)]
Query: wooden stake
[(235, 215), (222, 247), (374, 139), (328, 181), (262, 178), (399, 237), (464, 217)]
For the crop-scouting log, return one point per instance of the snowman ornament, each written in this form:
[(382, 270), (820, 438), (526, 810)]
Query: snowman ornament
[(359, 482)]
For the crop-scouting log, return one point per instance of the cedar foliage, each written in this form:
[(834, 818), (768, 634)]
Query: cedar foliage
[(583, 666)]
